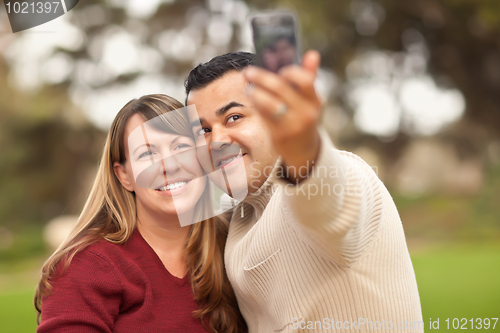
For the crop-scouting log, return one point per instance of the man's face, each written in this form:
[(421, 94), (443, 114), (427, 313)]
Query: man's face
[(227, 116)]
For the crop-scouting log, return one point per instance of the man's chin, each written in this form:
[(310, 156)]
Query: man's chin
[(240, 193), (237, 191)]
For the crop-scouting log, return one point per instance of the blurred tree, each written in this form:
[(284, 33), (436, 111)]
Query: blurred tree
[(47, 149), (43, 148), (460, 40), (461, 37)]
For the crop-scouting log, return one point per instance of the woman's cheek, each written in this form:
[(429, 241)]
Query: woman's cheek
[(145, 172), (192, 165)]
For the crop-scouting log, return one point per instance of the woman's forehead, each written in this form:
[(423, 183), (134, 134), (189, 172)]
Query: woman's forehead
[(132, 124), (140, 132)]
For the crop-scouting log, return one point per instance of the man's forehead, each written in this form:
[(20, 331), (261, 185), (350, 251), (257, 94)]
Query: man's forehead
[(229, 87)]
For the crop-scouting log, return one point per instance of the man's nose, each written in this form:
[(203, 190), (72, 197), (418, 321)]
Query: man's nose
[(220, 138)]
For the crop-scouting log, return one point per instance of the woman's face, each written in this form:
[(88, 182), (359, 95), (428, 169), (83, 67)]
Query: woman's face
[(162, 169)]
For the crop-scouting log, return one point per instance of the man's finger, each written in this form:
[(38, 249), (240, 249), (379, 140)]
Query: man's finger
[(266, 103), (273, 83), (301, 78), (311, 61)]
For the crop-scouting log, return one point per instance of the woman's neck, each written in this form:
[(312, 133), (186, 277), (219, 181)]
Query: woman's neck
[(167, 238)]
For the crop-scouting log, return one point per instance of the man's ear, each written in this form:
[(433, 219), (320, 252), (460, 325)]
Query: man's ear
[(123, 177)]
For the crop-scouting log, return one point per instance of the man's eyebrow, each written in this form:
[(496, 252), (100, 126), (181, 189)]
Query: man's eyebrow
[(218, 113), (226, 108)]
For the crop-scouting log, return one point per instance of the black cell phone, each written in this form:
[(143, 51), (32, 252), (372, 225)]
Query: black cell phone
[(276, 40)]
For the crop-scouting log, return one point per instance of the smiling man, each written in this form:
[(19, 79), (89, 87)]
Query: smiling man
[(318, 241)]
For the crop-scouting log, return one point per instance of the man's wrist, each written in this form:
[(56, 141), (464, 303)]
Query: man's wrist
[(294, 166)]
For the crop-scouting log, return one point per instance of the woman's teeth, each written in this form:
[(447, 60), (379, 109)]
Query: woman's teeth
[(228, 160), (171, 186)]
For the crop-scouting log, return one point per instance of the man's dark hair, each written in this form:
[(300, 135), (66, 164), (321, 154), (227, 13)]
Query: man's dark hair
[(204, 74)]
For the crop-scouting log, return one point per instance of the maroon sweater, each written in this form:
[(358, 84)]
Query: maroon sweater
[(119, 288)]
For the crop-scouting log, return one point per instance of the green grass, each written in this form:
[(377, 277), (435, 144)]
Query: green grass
[(459, 281), (455, 281), (17, 315)]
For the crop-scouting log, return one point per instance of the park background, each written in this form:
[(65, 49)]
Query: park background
[(413, 87)]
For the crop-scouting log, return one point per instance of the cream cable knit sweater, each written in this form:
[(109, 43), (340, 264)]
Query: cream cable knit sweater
[(333, 261)]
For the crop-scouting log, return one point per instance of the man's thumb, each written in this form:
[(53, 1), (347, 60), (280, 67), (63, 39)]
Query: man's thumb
[(311, 60)]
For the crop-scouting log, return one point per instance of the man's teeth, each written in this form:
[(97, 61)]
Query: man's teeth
[(228, 160), (171, 186)]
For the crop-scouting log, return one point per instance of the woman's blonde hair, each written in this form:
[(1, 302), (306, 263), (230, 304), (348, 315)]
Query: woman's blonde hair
[(110, 214)]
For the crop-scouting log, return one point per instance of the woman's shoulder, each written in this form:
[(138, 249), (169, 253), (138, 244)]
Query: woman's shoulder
[(111, 251), (101, 257), (93, 259), (104, 250), (87, 289)]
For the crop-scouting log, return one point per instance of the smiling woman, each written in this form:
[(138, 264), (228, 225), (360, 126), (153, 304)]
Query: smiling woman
[(128, 265), (163, 169)]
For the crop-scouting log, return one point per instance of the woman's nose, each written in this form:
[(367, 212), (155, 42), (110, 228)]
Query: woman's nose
[(170, 165)]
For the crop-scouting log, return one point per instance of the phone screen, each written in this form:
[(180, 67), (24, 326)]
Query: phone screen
[(275, 40)]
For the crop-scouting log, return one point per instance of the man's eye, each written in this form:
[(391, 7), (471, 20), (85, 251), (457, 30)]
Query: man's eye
[(202, 131), (233, 118), (146, 153)]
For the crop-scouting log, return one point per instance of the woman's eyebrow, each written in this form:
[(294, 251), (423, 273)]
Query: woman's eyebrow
[(153, 146), (145, 144), (197, 122)]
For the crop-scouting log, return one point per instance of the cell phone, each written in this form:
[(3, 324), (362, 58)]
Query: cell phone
[(276, 40)]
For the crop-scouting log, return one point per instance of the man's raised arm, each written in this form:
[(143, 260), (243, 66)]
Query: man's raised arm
[(334, 196)]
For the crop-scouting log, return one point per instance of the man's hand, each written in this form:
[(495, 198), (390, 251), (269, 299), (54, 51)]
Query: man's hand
[(294, 133)]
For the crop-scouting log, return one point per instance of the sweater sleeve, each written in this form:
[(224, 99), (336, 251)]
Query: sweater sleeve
[(338, 207), (86, 298)]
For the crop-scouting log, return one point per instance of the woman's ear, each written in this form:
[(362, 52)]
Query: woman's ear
[(123, 177)]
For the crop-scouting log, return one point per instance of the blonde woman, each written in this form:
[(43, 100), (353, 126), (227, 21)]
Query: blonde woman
[(128, 265)]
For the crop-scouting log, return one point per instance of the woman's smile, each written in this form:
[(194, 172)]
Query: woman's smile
[(173, 188)]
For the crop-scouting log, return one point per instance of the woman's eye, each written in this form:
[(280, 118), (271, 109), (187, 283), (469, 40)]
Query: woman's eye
[(146, 153), (233, 118), (182, 145)]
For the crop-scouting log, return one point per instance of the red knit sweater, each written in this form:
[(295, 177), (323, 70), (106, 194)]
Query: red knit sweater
[(119, 288)]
